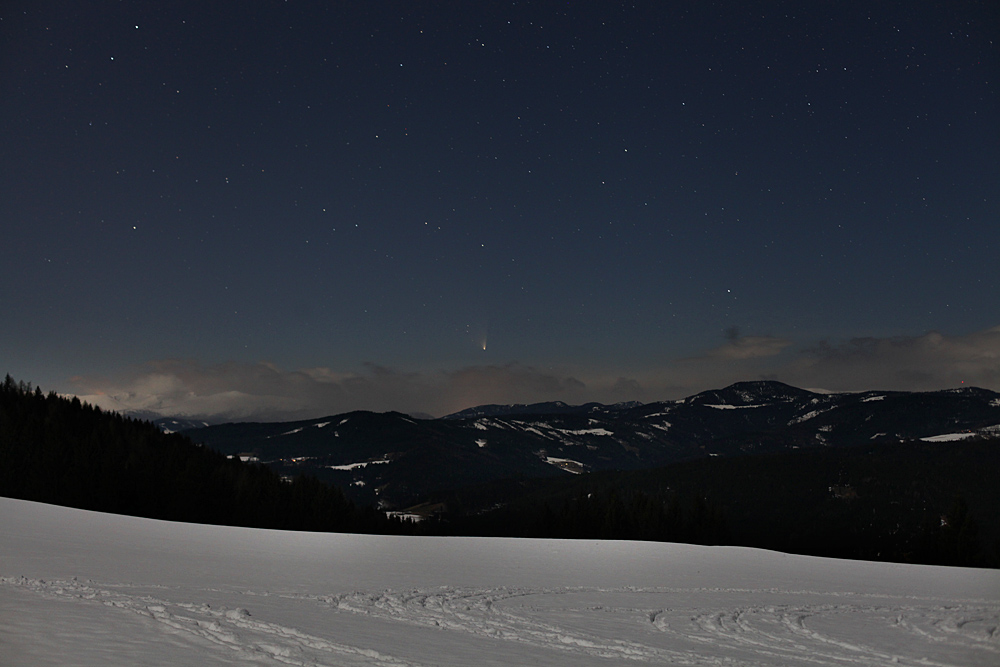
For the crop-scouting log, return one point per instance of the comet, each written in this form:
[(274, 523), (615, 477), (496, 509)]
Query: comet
[(479, 333)]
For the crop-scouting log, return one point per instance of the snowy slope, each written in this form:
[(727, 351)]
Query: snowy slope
[(82, 588)]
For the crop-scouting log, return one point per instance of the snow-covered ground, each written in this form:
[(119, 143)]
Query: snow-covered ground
[(82, 588)]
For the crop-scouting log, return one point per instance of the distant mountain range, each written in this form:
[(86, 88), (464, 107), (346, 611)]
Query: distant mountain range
[(394, 460)]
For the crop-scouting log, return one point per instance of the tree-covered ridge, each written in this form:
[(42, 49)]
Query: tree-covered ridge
[(61, 451), (918, 502)]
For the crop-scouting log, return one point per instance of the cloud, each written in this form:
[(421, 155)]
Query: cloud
[(746, 347), (909, 363), (739, 358), (627, 389), (926, 362), (237, 391), (261, 391)]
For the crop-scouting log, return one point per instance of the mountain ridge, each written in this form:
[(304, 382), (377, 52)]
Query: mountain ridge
[(392, 459)]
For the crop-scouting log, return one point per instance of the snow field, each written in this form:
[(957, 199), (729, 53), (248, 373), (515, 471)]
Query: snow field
[(82, 588)]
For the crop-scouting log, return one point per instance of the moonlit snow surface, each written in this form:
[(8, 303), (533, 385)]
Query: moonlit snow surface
[(83, 588)]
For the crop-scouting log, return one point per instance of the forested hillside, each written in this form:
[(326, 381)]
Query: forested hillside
[(919, 502), (61, 451)]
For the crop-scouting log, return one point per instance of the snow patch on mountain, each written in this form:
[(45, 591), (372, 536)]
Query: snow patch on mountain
[(355, 466), (806, 417), (949, 437), (586, 431), (723, 406), (569, 465)]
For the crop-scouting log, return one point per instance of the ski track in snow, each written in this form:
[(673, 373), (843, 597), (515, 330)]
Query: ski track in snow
[(697, 626), (235, 629), (784, 632), (791, 632)]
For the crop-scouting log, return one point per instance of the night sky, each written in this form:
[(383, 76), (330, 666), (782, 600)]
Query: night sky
[(265, 209)]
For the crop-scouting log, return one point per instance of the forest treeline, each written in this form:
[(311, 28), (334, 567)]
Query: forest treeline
[(64, 452)]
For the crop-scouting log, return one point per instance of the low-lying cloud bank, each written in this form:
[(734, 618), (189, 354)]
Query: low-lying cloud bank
[(261, 391), (911, 363)]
